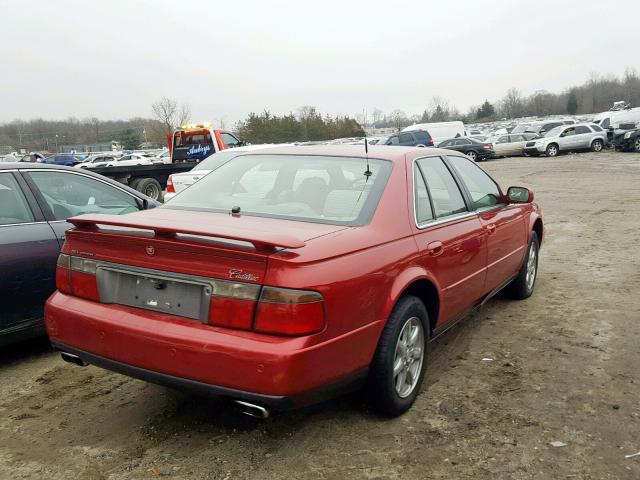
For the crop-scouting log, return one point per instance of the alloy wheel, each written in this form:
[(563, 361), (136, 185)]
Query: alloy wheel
[(597, 146), (472, 155), (409, 357), (637, 145), (532, 266)]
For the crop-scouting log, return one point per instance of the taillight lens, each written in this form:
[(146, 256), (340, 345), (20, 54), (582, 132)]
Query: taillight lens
[(486, 146), (233, 305), (431, 142), (283, 311), (170, 187), (77, 276), (63, 273)]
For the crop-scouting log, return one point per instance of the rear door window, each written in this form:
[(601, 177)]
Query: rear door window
[(422, 202), (421, 135), (68, 194), (443, 189), (580, 129), (13, 205), (406, 138)]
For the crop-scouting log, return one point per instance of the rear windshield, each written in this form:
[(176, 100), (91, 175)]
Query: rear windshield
[(422, 135), (335, 190)]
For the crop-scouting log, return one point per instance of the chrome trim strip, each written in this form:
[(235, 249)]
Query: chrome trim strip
[(21, 224), (81, 174)]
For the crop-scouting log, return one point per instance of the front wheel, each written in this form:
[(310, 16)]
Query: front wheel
[(398, 366), (522, 286), (472, 155), (552, 150), (636, 145), (597, 145)]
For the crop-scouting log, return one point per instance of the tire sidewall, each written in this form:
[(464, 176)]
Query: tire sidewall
[(548, 149), (381, 389), (597, 145)]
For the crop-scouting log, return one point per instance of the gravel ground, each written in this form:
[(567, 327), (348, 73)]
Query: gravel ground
[(565, 368)]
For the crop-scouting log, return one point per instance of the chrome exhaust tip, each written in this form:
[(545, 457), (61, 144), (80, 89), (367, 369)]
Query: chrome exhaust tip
[(71, 358), (251, 409)]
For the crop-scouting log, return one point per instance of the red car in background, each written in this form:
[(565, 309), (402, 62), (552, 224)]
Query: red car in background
[(288, 276)]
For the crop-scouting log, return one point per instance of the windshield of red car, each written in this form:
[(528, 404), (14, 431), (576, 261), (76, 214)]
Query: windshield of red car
[(335, 190)]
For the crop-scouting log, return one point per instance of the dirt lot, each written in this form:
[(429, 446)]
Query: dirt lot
[(565, 368)]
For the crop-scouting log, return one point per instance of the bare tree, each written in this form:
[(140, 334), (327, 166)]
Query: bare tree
[(170, 114), (512, 105)]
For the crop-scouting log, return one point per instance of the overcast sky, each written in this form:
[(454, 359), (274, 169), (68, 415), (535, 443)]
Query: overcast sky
[(112, 59)]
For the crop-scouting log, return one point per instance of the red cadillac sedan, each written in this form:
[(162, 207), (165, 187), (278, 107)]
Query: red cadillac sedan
[(290, 275)]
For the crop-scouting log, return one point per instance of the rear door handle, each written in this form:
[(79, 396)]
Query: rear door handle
[(435, 248), (491, 228)]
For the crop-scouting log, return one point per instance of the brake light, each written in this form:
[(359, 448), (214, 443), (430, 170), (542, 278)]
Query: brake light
[(77, 276), (63, 273), (284, 311), (486, 146), (170, 187), (233, 305), (431, 142)]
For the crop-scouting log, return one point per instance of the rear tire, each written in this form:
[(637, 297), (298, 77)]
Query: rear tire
[(398, 367), (552, 150), (597, 145), (472, 155), (150, 187), (522, 286)]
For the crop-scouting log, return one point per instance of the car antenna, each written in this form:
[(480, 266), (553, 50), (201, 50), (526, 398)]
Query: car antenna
[(367, 172)]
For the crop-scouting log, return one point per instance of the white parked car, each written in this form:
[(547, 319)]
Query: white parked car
[(568, 138), (98, 160), (181, 181), (164, 157), (133, 159), (440, 131)]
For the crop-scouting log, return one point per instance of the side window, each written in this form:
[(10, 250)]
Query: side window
[(406, 138), (422, 203), (596, 128), (422, 135), (393, 140), (484, 192), (445, 194), (606, 123), (568, 132), (229, 140), (13, 205), (503, 139), (446, 143), (582, 129), (69, 194)]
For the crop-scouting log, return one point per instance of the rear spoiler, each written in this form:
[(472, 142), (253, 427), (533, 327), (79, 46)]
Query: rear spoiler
[(263, 240)]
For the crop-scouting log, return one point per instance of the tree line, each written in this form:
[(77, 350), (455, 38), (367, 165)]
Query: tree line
[(307, 125), (595, 95)]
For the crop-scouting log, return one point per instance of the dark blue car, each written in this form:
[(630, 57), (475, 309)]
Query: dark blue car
[(35, 202), (66, 159), (413, 138)]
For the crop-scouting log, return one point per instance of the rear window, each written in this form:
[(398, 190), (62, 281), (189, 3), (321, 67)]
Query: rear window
[(192, 145), (214, 161), (335, 190)]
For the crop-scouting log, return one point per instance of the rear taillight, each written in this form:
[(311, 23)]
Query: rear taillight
[(486, 146), (278, 311), (431, 142), (170, 187), (289, 312), (77, 276), (63, 273), (233, 305)]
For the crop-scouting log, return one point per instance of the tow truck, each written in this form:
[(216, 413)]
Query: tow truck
[(188, 144)]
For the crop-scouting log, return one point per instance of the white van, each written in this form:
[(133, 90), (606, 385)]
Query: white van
[(440, 131), (612, 119)]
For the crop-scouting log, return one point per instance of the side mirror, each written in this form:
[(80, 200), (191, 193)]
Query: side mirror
[(519, 195)]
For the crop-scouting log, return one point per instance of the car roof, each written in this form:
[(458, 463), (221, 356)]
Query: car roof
[(392, 153)]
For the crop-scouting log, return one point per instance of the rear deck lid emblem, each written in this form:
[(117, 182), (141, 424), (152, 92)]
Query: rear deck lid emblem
[(150, 250)]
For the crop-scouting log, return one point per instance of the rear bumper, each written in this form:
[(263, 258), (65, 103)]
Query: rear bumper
[(279, 372), (276, 402)]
